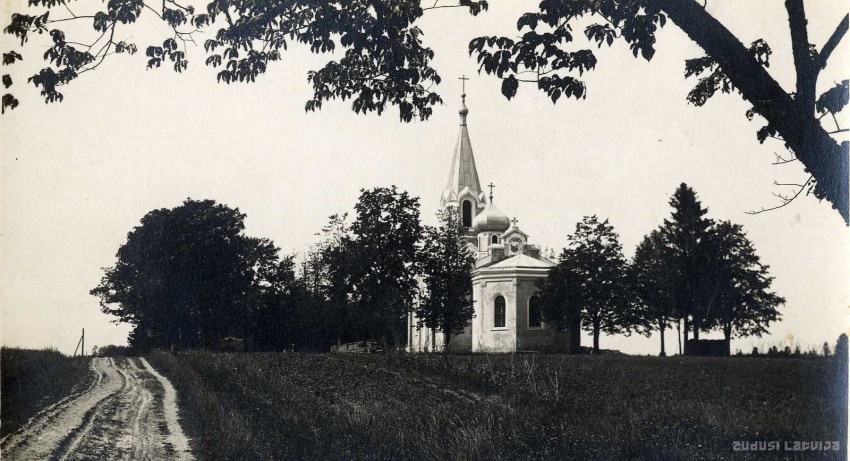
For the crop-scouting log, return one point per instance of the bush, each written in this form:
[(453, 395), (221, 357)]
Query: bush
[(113, 351)]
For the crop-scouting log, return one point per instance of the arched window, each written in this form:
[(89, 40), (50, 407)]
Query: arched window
[(535, 313), (499, 312), (466, 213), (494, 239)]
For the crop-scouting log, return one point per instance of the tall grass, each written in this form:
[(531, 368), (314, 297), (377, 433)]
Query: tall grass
[(314, 406), (35, 379)]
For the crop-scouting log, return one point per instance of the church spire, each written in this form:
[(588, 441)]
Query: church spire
[(463, 175)]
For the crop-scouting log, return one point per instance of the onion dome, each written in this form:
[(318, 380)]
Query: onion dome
[(491, 219)]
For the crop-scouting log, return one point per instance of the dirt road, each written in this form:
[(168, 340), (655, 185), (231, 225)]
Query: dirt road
[(129, 412)]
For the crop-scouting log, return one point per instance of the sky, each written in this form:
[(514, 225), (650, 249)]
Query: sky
[(78, 176)]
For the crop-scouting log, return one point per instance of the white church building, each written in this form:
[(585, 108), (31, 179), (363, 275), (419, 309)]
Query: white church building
[(504, 280)]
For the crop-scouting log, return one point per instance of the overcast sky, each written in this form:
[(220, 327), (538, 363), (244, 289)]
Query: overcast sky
[(78, 176)]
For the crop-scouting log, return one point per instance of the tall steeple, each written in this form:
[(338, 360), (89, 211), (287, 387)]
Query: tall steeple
[(463, 176)]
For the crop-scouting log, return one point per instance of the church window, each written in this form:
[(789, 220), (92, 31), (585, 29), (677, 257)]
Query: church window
[(535, 313), (466, 213), (494, 239), (515, 243), (499, 312)]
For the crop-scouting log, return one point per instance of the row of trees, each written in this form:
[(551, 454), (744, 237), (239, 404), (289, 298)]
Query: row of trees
[(692, 272), (190, 277)]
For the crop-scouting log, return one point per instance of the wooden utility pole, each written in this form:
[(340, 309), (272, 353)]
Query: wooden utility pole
[(81, 342)]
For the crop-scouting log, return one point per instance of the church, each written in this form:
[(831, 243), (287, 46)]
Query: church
[(504, 280)]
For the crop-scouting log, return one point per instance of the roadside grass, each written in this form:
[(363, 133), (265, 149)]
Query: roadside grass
[(35, 379), (406, 406)]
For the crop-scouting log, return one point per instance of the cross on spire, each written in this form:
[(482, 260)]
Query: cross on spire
[(463, 79), (491, 186), (514, 221)]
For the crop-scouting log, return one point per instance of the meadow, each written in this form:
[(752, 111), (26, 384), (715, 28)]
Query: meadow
[(35, 379), (404, 406)]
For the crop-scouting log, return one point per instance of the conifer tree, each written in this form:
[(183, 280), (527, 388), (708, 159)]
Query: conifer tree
[(685, 235)]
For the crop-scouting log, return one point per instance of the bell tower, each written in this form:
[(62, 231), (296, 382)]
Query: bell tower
[(463, 190)]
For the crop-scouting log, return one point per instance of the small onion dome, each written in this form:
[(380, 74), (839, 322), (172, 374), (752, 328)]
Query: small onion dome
[(490, 220), (463, 110)]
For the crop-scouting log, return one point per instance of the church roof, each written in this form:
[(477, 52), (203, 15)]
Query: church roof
[(514, 229), (521, 261), (463, 173)]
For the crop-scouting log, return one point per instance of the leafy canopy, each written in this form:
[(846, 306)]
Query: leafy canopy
[(704, 272), (380, 58), (187, 276), (385, 236), (591, 278)]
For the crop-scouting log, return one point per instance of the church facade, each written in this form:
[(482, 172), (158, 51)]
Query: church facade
[(504, 280)]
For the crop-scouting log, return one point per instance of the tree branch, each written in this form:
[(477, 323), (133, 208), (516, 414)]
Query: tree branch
[(807, 72), (780, 160), (833, 41), (785, 200), (821, 155)]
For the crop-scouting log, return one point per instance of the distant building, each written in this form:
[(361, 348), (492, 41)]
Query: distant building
[(507, 269)]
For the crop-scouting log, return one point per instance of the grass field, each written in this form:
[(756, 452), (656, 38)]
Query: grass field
[(35, 379), (323, 406)]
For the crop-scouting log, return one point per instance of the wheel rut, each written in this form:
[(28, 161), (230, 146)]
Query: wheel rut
[(129, 412)]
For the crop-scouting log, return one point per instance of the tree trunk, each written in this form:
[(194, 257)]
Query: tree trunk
[(679, 334), (433, 340), (446, 341), (661, 325), (595, 337), (820, 154)]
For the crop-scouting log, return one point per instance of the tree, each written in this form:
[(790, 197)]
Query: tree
[(740, 301), (651, 278), (704, 273), (592, 274), (385, 62), (543, 52), (561, 300), (289, 315), (446, 263), (187, 276), (334, 272), (386, 233), (685, 251)]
